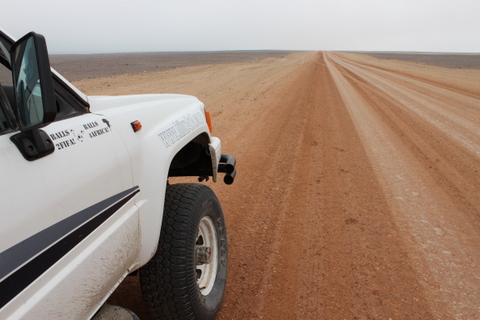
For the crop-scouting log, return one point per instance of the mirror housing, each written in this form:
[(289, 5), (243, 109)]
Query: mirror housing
[(35, 98), (33, 82)]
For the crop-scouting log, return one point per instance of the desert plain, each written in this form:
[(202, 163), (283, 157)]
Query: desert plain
[(358, 186)]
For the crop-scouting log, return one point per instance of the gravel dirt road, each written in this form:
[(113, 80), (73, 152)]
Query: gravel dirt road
[(357, 195)]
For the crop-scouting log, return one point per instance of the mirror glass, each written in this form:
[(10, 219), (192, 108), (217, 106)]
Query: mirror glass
[(28, 87)]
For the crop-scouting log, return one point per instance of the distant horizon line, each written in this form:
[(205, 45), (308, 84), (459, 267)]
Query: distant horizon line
[(275, 50)]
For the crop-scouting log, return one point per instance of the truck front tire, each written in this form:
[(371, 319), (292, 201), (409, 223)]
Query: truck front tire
[(186, 277)]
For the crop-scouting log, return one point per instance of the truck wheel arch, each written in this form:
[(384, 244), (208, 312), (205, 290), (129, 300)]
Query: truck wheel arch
[(193, 159)]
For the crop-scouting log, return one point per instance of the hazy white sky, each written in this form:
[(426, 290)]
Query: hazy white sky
[(89, 26)]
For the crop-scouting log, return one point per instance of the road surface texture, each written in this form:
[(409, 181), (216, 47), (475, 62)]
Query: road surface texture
[(357, 195)]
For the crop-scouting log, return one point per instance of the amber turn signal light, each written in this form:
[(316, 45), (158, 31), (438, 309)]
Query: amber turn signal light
[(209, 121), (136, 126)]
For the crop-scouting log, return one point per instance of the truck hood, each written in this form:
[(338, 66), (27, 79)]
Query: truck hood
[(103, 103)]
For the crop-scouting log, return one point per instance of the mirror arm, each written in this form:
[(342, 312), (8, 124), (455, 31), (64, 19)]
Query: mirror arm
[(33, 144)]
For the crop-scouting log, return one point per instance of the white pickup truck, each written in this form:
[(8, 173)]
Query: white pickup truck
[(86, 198)]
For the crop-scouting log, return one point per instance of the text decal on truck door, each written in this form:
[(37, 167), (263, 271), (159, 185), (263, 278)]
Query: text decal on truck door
[(70, 137)]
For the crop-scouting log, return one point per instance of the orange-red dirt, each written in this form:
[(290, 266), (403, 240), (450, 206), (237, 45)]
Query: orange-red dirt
[(358, 187)]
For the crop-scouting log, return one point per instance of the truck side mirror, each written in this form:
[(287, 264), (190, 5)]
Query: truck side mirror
[(35, 98), (33, 82)]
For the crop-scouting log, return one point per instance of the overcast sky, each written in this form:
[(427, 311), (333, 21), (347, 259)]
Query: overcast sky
[(92, 26)]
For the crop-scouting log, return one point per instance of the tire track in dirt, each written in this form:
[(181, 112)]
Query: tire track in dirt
[(325, 244), (360, 265), (276, 126), (463, 81), (432, 190), (438, 107)]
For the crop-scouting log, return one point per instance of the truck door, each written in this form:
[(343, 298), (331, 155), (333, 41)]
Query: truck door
[(69, 224)]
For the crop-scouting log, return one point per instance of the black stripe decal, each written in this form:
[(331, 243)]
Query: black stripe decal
[(32, 257)]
